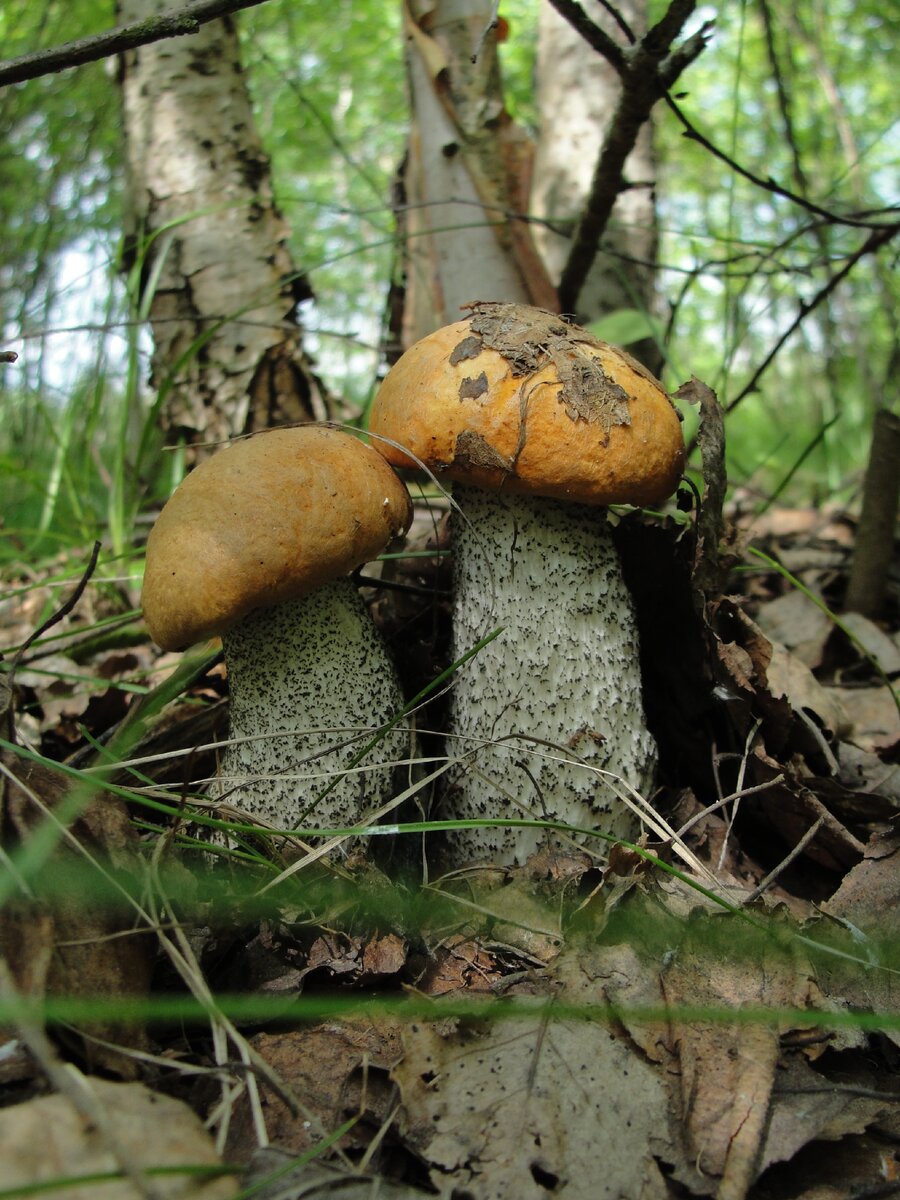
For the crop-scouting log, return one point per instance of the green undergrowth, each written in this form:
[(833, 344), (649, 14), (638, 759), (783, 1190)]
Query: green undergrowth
[(232, 892)]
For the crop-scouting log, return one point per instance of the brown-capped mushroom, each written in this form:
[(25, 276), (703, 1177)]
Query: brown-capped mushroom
[(256, 545)]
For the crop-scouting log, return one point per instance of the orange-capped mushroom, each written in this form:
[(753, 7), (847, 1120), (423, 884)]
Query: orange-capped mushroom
[(539, 425), (519, 400)]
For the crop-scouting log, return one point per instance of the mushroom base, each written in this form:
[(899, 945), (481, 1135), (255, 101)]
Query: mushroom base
[(547, 719), (310, 685)]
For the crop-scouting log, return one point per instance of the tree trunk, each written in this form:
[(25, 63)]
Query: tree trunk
[(577, 92), (217, 280), (874, 549), (466, 174)]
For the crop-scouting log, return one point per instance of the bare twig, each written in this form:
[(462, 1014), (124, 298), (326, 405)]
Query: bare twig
[(63, 611), (768, 185), (175, 23), (598, 39), (783, 92), (617, 16), (647, 69), (723, 800), (878, 238), (6, 682), (766, 883)]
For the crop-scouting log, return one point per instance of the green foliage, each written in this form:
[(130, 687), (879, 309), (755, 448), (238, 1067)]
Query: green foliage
[(626, 325), (59, 184), (330, 100), (810, 107), (799, 92)]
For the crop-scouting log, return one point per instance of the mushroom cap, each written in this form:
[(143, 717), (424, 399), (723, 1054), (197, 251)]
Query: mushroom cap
[(516, 398), (266, 520)]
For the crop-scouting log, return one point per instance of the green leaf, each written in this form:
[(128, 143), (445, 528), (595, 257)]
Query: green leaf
[(626, 325)]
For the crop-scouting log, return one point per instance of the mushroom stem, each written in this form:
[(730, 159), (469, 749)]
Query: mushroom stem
[(564, 671), (310, 684)]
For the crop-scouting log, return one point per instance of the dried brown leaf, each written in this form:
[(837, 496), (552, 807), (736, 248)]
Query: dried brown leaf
[(461, 964), (384, 955), (45, 1138), (336, 1070), (810, 1109), (530, 339), (76, 944), (728, 1070), (523, 1107)]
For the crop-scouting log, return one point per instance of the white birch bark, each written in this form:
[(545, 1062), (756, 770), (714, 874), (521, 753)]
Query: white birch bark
[(577, 91), (217, 276), (466, 173)]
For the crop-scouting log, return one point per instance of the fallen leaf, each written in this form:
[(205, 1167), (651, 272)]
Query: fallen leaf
[(79, 936), (45, 1139), (523, 1108), (877, 644), (384, 956), (789, 677), (335, 1071), (727, 1070), (873, 716), (460, 964), (798, 623)]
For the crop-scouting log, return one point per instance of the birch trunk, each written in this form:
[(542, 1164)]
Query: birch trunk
[(217, 279), (466, 175), (577, 93)]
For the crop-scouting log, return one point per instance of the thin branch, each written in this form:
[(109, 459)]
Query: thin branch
[(647, 69), (873, 243), (658, 39), (768, 185), (782, 91), (766, 883), (6, 682), (63, 611), (598, 39), (175, 23), (619, 19)]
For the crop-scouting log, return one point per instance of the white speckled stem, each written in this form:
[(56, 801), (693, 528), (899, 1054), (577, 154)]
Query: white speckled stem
[(564, 670), (313, 678)]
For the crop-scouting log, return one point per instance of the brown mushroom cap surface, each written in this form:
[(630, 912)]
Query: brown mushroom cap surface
[(266, 520), (516, 398)]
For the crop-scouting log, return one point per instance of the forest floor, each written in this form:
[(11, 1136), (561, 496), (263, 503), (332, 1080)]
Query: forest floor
[(713, 1014)]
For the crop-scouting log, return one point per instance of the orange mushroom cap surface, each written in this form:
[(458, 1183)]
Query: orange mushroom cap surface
[(270, 518), (516, 398)]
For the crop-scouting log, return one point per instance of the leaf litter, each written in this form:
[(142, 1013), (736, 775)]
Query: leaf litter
[(778, 743)]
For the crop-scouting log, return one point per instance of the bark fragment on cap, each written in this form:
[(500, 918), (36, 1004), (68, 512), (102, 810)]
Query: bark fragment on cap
[(556, 411)]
